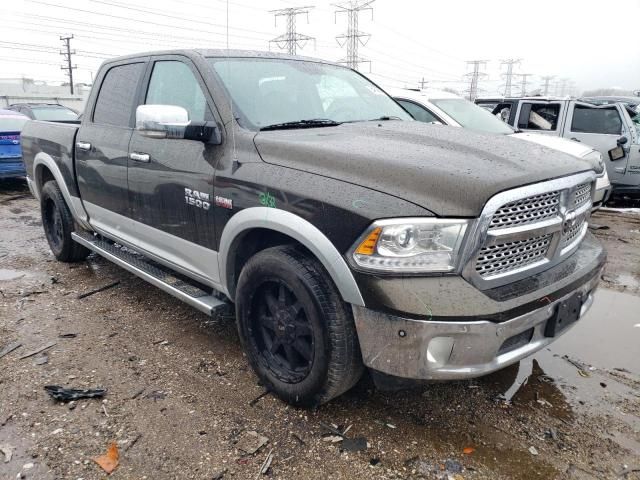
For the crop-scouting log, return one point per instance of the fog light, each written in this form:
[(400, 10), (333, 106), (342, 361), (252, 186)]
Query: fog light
[(438, 351)]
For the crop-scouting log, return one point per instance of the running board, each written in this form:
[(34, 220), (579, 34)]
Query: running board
[(145, 269)]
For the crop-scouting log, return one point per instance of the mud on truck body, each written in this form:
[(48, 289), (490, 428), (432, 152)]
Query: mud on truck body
[(346, 235)]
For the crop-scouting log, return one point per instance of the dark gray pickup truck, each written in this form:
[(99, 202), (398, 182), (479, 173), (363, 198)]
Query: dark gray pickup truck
[(346, 234)]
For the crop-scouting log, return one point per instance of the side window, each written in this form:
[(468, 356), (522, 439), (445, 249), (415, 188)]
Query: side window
[(596, 120), (539, 116), (173, 83), (418, 112), (502, 111), (117, 95)]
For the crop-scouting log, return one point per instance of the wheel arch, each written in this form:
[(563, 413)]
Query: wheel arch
[(285, 225), (45, 169)]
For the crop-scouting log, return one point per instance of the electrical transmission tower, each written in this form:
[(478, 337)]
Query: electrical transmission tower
[(292, 39), (561, 86), (423, 83), (354, 37), (508, 77), (547, 81), (523, 83), (475, 77), (66, 53)]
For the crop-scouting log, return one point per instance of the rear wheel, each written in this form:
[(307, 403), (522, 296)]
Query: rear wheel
[(297, 332), (58, 225)]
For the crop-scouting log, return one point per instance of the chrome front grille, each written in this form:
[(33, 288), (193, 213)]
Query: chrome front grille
[(529, 229), (505, 257), (527, 210), (582, 195)]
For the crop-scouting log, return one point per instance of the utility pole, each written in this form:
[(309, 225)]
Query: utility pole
[(291, 40), (508, 77), (475, 76), (423, 83), (547, 80), (66, 54), (563, 86), (353, 38), (523, 84)]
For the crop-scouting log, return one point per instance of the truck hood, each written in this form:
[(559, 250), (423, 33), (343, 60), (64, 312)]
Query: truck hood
[(571, 147), (450, 171)]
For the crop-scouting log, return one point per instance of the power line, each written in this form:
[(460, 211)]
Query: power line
[(508, 77), (523, 83), (353, 38), (547, 80), (66, 54), (475, 77), (291, 40)]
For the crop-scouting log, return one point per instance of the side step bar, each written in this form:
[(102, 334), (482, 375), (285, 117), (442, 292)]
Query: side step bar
[(145, 269)]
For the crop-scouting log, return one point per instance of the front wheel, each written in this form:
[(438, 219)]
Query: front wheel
[(297, 332), (58, 225)]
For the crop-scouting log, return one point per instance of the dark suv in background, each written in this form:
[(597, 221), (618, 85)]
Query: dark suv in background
[(48, 112)]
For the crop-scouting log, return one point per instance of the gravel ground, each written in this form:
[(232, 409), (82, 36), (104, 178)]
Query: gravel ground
[(181, 400)]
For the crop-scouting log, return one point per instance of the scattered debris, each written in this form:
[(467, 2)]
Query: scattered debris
[(333, 430), (374, 461), (266, 464), (603, 385), (219, 475), (104, 409), (67, 394), (38, 350), (354, 444), (98, 290), (391, 425), (9, 348), (532, 450), (109, 461), (137, 393), (468, 450), (333, 438), (596, 226), (7, 451), (42, 359), (452, 466), (251, 442), (298, 438), (133, 442), (552, 433), (257, 399), (6, 420), (156, 395), (68, 335)]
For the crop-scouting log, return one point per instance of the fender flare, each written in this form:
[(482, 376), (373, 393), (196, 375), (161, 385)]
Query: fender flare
[(74, 203), (297, 228)]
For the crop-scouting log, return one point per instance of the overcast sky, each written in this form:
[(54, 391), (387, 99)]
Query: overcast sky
[(593, 43)]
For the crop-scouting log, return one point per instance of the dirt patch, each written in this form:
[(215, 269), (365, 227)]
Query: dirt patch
[(181, 399)]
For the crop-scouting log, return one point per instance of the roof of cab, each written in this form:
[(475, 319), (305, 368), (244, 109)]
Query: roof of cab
[(221, 53)]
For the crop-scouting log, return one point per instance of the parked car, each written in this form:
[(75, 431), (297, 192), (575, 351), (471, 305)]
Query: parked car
[(346, 234), (608, 128), (438, 106), (50, 112), (11, 124)]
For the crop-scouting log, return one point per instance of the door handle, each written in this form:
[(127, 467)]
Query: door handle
[(575, 139), (86, 146), (619, 169), (140, 157)]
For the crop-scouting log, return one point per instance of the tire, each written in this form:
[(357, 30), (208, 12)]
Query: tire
[(298, 334), (58, 225)]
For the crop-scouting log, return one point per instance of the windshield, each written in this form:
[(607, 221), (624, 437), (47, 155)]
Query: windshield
[(471, 116), (54, 114), (273, 91), (12, 123)]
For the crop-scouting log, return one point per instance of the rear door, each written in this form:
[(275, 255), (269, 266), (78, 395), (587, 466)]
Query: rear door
[(171, 180), (102, 146), (600, 127), (540, 116)]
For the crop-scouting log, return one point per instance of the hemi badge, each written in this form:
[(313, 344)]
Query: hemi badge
[(224, 202)]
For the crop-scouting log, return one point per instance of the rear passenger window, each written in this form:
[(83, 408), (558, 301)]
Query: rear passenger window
[(539, 116), (418, 112), (117, 95), (173, 83), (596, 120)]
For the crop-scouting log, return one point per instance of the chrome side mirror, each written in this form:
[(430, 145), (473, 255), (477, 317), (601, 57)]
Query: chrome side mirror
[(161, 121), (172, 122)]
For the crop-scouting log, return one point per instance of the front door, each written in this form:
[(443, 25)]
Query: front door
[(171, 180), (102, 147), (600, 127), (539, 116)]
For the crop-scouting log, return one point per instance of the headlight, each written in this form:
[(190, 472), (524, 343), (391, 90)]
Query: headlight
[(410, 245)]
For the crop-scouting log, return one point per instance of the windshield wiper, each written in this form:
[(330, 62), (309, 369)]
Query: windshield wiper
[(311, 123)]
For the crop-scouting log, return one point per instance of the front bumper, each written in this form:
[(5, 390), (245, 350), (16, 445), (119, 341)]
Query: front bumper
[(471, 346)]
